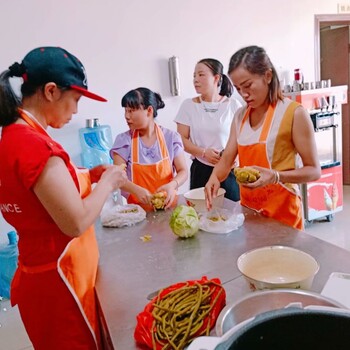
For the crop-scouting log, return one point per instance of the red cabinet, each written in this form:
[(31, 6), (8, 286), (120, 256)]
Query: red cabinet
[(324, 197)]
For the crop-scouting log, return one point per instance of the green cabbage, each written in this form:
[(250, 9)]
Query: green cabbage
[(184, 221)]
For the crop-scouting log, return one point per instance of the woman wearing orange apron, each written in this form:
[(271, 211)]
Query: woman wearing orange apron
[(54, 207), (154, 155), (270, 134)]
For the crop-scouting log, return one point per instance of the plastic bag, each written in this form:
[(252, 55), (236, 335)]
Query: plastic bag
[(145, 320), (226, 221), (8, 264), (114, 214)]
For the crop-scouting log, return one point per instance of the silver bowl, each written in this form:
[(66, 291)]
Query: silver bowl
[(258, 302)]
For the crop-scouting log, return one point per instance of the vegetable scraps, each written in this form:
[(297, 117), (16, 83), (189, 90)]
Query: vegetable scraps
[(158, 200)]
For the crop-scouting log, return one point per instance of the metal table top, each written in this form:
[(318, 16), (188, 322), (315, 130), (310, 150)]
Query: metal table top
[(130, 269)]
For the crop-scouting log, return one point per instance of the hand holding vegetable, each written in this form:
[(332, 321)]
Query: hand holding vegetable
[(97, 171), (254, 177), (115, 176), (158, 200), (246, 175), (211, 190), (170, 190), (143, 195)]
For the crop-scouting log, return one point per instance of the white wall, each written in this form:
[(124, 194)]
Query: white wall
[(126, 44)]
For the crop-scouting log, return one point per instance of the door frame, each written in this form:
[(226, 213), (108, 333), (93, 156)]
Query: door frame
[(323, 20)]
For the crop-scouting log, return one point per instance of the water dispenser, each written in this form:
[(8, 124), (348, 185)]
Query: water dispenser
[(96, 141)]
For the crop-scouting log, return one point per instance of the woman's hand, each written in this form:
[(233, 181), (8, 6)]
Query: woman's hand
[(97, 171), (143, 195), (211, 190), (58, 193), (212, 156), (171, 190), (267, 177), (115, 175)]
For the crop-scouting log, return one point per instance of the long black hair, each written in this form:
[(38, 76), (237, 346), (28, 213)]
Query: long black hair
[(9, 101), (143, 98), (255, 60), (216, 67)]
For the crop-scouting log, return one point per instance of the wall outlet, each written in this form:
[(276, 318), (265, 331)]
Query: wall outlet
[(343, 7)]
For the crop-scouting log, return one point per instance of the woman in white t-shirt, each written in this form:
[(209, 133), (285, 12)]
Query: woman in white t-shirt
[(204, 123)]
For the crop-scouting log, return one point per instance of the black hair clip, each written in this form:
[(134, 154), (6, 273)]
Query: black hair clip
[(17, 69)]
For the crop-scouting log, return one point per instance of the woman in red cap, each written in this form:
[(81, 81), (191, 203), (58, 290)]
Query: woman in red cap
[(50, 202)]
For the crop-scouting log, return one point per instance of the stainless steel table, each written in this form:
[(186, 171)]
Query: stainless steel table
[(130, 269)]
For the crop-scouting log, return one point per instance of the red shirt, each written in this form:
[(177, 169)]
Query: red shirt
[(24, 153)]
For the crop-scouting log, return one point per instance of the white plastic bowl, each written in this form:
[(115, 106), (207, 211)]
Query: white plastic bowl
[(196, 199), (278, 267)]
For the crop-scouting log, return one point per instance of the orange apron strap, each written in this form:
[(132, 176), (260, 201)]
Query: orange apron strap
[(28, 120), (135, 147), (267, 124), (161, 143), (245, 117), (32, 123)]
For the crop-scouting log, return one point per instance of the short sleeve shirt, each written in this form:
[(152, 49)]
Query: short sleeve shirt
[(208, 129), (24, 153), (148, 155)]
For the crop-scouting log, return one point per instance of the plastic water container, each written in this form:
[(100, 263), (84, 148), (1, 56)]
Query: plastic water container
[(96, 141), (8, 264)]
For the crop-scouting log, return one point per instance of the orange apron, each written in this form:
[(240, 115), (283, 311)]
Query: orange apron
[(77, 265), (150, 176), (275, 200)]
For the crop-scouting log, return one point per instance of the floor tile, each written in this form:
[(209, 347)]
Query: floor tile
[(12, 333)]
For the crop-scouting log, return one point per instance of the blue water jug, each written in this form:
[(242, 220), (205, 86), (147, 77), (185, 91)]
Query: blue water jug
[(8, 264), (96, 141)]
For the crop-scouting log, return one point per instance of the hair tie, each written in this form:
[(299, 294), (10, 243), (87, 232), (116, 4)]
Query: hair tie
[(17, 69)]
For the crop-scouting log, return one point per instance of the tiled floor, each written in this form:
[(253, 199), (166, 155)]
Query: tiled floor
[(13, 335)]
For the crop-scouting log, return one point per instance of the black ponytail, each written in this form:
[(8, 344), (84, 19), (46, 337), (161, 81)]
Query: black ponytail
[(9, 101), (216, 67), (226, 86), (160, 102)]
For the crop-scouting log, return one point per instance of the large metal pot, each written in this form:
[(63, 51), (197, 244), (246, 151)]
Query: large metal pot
[(258, 302), (295, 327)]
